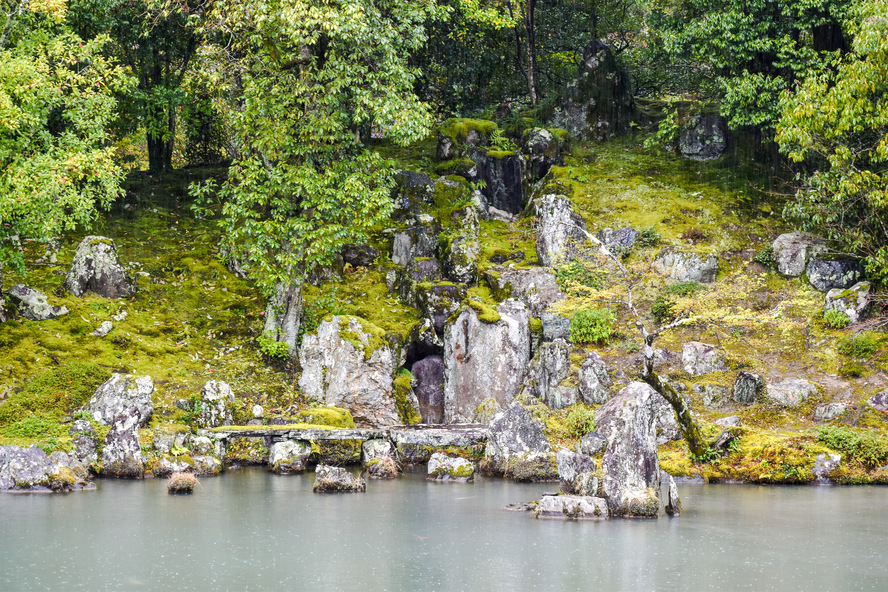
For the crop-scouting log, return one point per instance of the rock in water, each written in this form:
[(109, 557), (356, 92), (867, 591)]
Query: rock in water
[(181, 484), (24, 469), (673, 502), (517, 447), (571, 507), (120, 393), (32, 304), (484, 358), (216, 405), (289, 456), (96, 268), (348, 363), (450, 468), (336, 479), (122, 452), (577, 473), (631, 467)]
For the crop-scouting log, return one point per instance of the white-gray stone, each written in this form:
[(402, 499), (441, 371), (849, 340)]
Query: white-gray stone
[(824, 464), (591, 444), (673, 502), (793, 250), (687, 267), (702, 358), (561, 232), (576, 473), (790, 392), (595, 382), (547, 377), (571, 507), (336, 479), (829, 412), (443, 467), (289, 456), (216, 405), (120, 393), (854, 302), (375, 449), (122, 451), (517, 447), (96, 268), (32, 304), (732, 421), (103, 329)]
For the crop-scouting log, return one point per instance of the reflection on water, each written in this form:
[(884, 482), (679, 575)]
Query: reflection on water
[(250, 530)]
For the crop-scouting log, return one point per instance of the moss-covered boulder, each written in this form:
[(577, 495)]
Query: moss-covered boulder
[(458, 247), (443, 467), (544, 149), (517, 448), (289, 456), (457, 135), (96, 268)]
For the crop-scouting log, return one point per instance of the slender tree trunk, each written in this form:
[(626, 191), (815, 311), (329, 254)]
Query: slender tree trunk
[(530, 41)]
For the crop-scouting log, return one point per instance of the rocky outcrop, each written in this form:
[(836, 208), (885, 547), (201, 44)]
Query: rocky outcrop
[(458, 247), (793, 250), (748, 388), (118, 395), (833, 274), (289, 456), (216, 405), (631, 467), (122, 451), (829, 411), (576, 473), (699, 358), (536, 287), (439, 301), (591, 444), (618, 241), (97, 269), (547, 377), (358, 255), (544, 151), (517, 447), (854, 302), (336, 480), (443, 467), (30, 469), (561, 232), (673, 502), (503, 175), (348, 363), (555, 326), (32, 304), (571, 507), (414, 446), (790, 392), (484, 358), (687, 267), (704, 137), (84, 439), (376, 448), (412, 192), (283, 316), (594, 380), (418, 240), (429, 375)]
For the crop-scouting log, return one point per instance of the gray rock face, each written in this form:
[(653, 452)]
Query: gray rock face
[(879, 401), (824, 464), (118, 395), (576, 473), (595, 382), (359, 255), (790, 392), (283, 315), (32, 304), (414, 446), (25, 468), (450, 468), (829, 412), (165, 440), (412, 191), (336, 479), (96, 268), (555, 326), (715, 396), (748, 387), (673, 502), (289, 456), (216, 405), (85, 448), (419, 240), (517, 447), (854, 302), (591, 444), (547, 375), (687, 267), (705, 137), (375, 449), (439, 302), (667, 426), (561, 232), (544, 150), (571, 507), (535, 287), (832, 274), (459, 248), (631, 467), (357, 376), (200, 465), (503, 175), (122, 452), (484, 360), (701, 358), (429, 389), (618, 241), (731, 421), (793, 250)]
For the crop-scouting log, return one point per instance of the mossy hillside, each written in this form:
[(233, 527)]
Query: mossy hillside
[(505, 240)]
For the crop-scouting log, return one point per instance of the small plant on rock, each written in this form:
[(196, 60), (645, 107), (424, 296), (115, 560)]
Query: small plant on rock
[(271, 347), (592, 326), (836, 319)]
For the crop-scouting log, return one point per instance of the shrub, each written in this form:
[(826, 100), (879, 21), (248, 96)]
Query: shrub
[(836, 319), (863, 446), (591, 326), (862, 345), (663, 307), (648, 237), (271, 347), (580, 422), (765, 257)]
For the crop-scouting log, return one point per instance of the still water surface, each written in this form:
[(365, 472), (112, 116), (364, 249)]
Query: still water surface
[(249, 530)]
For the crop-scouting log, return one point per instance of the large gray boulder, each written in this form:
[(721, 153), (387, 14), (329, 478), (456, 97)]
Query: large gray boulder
[(283, 316), (591, 444), (790, 392), (561, 232), (32, 304), (216, 405), (793, 250), (96, 268), (576, 473), (122, 451), (547, 377), (594, 380), (571, 507), (348, 363), (443, 467), (704, 137), (699, 358), (24, 469), (484, 358), (517, 448), (289, 456), (618, 241), (687, 267), (458, 248), (631, 467), (429, 375), (536, 287), (118, 395), (439, 301), (854, 302), (555, 326), (832, 274)]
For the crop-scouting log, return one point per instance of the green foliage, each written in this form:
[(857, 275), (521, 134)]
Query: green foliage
[(663, 307), (582, 273), (858, 445), (271, 347), (580, 421), (836, 319), (765, 257), (592, 326), (862, 345), (648, 237)]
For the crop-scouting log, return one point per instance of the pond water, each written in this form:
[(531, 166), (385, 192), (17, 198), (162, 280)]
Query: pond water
[(250, 530)]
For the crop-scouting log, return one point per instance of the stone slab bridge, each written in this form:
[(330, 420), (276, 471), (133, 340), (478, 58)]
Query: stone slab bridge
[(413, 444)]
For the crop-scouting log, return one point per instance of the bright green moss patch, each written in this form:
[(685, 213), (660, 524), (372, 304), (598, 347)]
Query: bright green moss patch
[(407, 410), (329, 416), (500, 154), (458, 129)]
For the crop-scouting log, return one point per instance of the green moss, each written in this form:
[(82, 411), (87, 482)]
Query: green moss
[(500, 154), (487, 313), (458, 129), (407, 411), (457, 166), (327, 416), (370, 339)]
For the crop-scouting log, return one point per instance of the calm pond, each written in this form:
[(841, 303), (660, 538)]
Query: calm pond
[(250, 530)]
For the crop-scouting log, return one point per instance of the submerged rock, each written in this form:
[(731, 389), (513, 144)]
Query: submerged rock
[(120, 394), (336, 479), (443, 467), (517, 447), (32, 304), (97, 269)]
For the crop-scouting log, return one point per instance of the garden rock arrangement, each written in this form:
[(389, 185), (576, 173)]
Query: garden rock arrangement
[(450, 468), (336, 480), (97, 269)]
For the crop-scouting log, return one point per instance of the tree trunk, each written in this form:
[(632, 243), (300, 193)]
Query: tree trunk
[(530, 41)]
